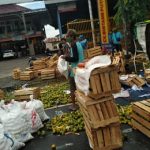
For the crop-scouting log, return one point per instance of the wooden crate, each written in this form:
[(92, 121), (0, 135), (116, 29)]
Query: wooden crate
[(27, 75), (16, 73), (147, 74), (141, 116), (37, 73), (119, 62), (24, 94), (48, 74), (92, 52), (1, 94), (84, 27), (98, 113), (39, 64), (52, 64), (107, 138), (104, 81), (133, 80)]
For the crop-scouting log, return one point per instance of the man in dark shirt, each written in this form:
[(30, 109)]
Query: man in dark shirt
[(76, 56)]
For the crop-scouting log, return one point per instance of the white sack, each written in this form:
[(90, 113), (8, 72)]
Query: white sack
[(62, 66), (8, 142), (33, 120), (38, 106)]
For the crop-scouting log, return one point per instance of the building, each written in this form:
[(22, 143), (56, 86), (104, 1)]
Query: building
[(64, 11), (21, 28)]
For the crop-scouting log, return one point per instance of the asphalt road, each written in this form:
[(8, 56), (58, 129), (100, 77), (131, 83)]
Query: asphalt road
[(7, 65)]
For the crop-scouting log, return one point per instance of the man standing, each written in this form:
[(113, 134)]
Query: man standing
[(76, 56), (83, 41), (116, 40)]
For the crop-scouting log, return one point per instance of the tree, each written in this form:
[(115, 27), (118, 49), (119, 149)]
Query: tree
[(129, 12)]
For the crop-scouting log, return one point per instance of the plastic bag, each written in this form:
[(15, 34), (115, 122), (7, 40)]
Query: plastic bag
[(63, 67)]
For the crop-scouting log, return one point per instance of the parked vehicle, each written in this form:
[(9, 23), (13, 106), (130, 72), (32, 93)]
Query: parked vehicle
[(9, 53)]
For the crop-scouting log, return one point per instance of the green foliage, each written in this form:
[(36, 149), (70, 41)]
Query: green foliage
[(131, 11), (9, 96)]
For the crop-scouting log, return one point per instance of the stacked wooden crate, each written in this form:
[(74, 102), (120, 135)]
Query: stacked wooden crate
[(133, 80), (99, 110), (48, 74), (118, 60), (39, 64), (27, 75), (52, 62), (1, 94), (24, 94), (92, 52), (16, 73), (141, 116), (104, 81)]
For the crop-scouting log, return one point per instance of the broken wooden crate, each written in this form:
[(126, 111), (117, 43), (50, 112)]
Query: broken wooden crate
[(119, 62), (106, 138), (99, 113), (48, 74), (133, 80), (92, 52), (24, 94), (39, 64), (16, 73), (104, 81), (141, 116), (27, 75), (1, 94)]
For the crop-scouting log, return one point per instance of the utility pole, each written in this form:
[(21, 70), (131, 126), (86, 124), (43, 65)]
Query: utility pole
[(92, 22), (59, 22), (30, 46)]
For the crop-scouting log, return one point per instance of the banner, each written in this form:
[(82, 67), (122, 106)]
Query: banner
[(103, 16), (141, 28)]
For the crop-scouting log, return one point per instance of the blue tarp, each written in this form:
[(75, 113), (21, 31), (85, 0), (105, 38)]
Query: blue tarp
[(134, 96)]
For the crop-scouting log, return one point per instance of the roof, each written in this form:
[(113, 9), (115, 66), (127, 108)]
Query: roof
[(4, 2), (11, 8), (57, 1)]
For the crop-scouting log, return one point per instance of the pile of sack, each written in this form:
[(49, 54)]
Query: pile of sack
[(18, 120)]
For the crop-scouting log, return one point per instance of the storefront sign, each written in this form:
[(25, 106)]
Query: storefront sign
[(103, 15), (67, 7)]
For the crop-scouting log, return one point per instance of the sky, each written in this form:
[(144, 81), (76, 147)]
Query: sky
[(34, 5), (50, 30)]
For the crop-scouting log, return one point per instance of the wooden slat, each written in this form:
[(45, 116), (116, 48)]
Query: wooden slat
[(108, 81), (93, 84), (141, 128), (141, 120), (140, 111), (104, 86), (100, 138), (107, 138), (98, 85)]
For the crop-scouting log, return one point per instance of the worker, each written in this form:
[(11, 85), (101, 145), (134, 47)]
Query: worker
[(60, 51), (116, 38), (76, 56), (66, 46), (83, 41)]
